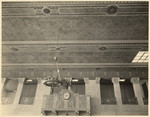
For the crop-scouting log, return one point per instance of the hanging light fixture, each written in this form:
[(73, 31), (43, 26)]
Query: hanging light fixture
[(57, 81)]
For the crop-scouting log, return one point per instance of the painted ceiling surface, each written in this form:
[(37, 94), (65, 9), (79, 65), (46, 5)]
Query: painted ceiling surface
[(85, 36)]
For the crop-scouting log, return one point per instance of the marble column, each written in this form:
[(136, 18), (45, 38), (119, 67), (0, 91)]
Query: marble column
[(137, 90), (117, 90), (18, 91)]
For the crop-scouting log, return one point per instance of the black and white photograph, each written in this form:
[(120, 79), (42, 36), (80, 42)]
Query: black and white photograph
[(74, 58)]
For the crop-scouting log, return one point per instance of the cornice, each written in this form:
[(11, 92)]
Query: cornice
[(74, 8), (72, 3), (75, 65), (77, 43)]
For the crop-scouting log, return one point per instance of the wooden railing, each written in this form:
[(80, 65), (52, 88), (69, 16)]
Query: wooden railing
[(108, 100)]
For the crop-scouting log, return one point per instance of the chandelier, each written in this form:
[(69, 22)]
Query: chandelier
[(57, 81)]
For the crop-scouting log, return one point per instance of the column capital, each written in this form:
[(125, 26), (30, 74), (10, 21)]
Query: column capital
[(97, 80), (115, 80), (68, 78), (135, 80), (21, 80), (86, 80), (39, 80)]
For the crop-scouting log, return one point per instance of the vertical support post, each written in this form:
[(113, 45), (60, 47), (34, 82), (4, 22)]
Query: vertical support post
[(46, 90), (137, 90), (3, 80), (146, 84), (39, 94), (19, 90), (92, 88), (117, 90)]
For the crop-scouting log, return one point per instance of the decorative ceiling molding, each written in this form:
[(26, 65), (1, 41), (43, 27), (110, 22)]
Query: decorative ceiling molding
[(74, 8), (79, 43), (75, 65), (64, 3)]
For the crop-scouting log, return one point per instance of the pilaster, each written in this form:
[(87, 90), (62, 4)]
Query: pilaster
[(19, 90), (3, 80), (117, 91), (137, 90), (92, 88)]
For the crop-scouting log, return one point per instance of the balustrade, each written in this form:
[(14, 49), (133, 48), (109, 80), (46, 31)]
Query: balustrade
[(108, 100), (145, 100), (7, 100), (26, 100), (129, 100)]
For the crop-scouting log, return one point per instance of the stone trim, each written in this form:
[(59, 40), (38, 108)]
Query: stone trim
[(135, 80), (97, 80), (39, 80), (86, 80), (21, 80), (115, 80)]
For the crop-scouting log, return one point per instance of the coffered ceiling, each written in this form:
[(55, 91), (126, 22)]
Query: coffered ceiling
[(94, 35)]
